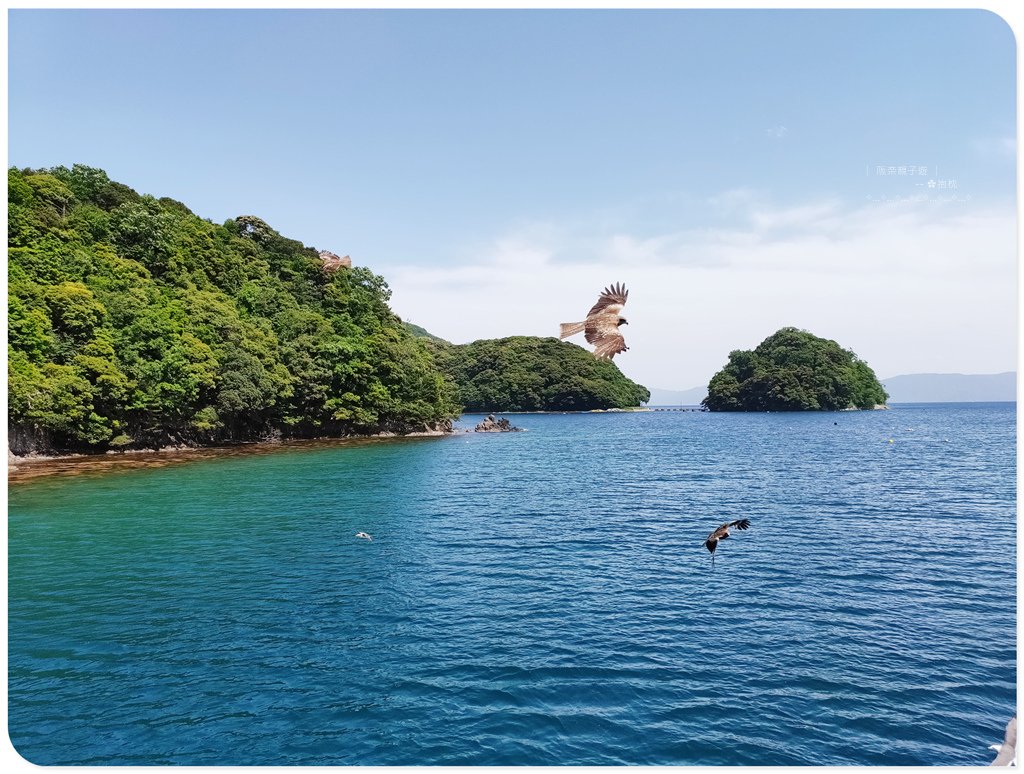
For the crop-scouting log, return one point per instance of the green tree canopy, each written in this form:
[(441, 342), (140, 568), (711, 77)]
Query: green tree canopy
[(133, 322), (793, 370), (528, 373)]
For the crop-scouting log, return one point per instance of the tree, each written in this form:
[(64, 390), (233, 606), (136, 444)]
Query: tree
[(75, 312), (52, 193), (144, 232)]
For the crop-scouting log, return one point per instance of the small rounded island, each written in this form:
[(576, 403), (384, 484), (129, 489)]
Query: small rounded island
[(794, 370)]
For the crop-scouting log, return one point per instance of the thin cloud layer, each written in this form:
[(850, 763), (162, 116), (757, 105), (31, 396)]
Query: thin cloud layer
[(996, 147), (909, 287)]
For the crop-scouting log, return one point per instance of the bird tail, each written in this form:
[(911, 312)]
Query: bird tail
[(571, 329)]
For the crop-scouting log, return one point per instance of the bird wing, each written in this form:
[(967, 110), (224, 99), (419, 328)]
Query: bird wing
[(717, 534), (738, 524), (603, 332), (610, 346), (610, 302)]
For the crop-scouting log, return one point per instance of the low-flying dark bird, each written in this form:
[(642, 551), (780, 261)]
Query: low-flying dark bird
[(722, 533), (601, 328), (363, 535)]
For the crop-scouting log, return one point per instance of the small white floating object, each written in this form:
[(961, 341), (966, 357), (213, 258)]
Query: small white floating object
[(363, 535)]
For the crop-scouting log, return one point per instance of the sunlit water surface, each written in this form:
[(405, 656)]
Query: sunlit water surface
[(531, 598)]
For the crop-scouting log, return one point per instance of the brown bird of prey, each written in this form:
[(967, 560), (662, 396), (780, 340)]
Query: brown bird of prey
[(601, 327), (722, 533)]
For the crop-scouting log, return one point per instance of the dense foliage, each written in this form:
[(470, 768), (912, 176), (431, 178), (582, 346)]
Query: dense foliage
[(421, 332), (133, 322), (793, 370), (527, 373)]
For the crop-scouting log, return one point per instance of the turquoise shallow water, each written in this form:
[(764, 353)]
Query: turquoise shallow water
[(531, 598)]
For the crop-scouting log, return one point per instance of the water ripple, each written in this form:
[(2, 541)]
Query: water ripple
[(537, 598)]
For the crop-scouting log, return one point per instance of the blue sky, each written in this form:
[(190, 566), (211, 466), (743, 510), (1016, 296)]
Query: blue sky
[(733, 155)]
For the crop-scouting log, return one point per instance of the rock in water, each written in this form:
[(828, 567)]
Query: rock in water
[(492, 425)]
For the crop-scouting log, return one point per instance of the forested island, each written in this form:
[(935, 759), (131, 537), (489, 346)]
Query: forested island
[(531, 373), (134, 323), (794, 370)]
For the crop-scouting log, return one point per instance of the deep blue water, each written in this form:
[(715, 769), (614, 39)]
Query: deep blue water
[(532, 598)]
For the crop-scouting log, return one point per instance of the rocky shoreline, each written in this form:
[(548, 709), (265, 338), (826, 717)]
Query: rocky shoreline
[(22, 467), (27, 466), (24, 446)]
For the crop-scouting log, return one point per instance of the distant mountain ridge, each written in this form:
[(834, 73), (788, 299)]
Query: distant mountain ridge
[(951, 388), (691, 397)]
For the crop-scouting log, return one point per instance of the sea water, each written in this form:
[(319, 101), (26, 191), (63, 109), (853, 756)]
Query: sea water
[(531, 598)]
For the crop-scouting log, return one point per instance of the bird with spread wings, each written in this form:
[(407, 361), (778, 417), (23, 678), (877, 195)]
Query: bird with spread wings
[(601, 328), (722, 533)]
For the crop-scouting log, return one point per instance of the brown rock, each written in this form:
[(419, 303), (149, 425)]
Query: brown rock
[(332, 262), (492, 425)]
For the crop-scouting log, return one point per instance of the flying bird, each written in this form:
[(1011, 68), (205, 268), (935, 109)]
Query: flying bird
[(722, 533), (601, 328), (363, 535)]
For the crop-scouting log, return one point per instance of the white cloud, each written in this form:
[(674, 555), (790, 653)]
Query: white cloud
[(908, 287), (733, 199), (814, 216), (995, 147)]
